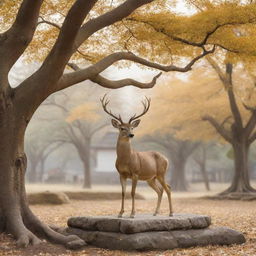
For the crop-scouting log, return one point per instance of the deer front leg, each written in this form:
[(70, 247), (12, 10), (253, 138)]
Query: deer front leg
[(134, 184), (159, 191), (123, 184)]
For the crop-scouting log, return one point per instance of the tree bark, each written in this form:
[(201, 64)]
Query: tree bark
[(178, 179), (201, 161), (241, 179), (16, 217), (87, 183), (205, 176), (85, 157)]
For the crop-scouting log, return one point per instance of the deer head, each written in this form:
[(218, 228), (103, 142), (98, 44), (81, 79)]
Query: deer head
[(125, 129)]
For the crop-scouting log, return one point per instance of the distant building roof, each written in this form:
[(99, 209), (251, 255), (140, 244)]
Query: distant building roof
[(108, 141)]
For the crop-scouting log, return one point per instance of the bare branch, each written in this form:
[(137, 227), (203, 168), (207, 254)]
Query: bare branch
[(52, 149), (115, 84), (225, 120), (219, 72), (249, 108), (93, 70), (232, 100), (252, 138), (251, 122), (220, 129), (44, 21), (226, 79)]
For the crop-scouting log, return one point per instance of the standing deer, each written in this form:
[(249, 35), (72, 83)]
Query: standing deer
[(149, 166)]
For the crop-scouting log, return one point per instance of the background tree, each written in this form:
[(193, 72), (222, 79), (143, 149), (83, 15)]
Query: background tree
[(39, 145), (240, 134), (200, 98), (200, 157), (178, 152), (80, 122)]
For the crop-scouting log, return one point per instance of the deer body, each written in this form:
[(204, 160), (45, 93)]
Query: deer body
[(149, 166), (146, 165)]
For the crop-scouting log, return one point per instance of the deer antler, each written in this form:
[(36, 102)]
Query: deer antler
[(104, 102), (146, 105)]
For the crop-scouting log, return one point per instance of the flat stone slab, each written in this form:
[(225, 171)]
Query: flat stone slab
[(163, 240), (141, 223)]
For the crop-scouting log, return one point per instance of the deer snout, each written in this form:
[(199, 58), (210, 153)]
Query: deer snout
[(131, 135)]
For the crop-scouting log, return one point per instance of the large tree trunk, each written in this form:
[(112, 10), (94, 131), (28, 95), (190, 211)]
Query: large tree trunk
[(87, 172), (241, 180), (202, 165), (205, 175), (178, 179), (16, 217)]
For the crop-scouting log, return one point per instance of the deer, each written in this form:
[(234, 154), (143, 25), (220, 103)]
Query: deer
[(149, 166)]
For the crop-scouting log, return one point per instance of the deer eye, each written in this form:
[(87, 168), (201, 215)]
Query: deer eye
[(122, 129)]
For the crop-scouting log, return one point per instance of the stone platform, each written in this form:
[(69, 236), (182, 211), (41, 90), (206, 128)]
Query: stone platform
[(147, 232)]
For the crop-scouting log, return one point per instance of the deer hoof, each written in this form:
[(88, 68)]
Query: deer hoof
[(120, 215), (132, 216), (155, 213), (171, 214)]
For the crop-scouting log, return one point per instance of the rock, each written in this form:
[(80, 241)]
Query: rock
[(141, 223), (160, 240), (76, 244), (48, 198)]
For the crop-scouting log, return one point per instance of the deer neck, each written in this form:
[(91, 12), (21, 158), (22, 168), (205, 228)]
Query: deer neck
[(123, 149)]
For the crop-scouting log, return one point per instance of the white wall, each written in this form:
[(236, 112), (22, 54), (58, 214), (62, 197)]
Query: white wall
[(106, 161)]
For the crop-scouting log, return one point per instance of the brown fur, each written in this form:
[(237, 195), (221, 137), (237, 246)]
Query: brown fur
[(147, 166)]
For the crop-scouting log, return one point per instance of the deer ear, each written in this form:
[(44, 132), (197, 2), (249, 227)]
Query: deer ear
[(135, 123), (115, 123)]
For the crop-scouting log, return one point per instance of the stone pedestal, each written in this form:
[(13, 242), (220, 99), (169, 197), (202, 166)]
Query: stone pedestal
[(147, 232)]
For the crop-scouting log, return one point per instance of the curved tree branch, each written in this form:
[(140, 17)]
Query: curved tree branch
[(56, 61), (92, 71), (107, 19), (112, 84), (220, 73), (44, 21), (252, 138), (226, 79), (62, 49), (225, 134), (250, 124), (232, 99), (15, 40)]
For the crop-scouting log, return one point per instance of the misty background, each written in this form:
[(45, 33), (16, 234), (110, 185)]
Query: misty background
[(70, 139)]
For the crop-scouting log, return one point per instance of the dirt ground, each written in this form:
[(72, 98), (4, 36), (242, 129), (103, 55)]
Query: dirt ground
[(239, 215)]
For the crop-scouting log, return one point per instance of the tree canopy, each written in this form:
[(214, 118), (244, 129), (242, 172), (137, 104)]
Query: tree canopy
[(185, 101)]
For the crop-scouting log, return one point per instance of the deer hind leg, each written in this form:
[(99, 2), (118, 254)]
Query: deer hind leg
[(159, 190), (123, 184), (134, 184), (167, 190)]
